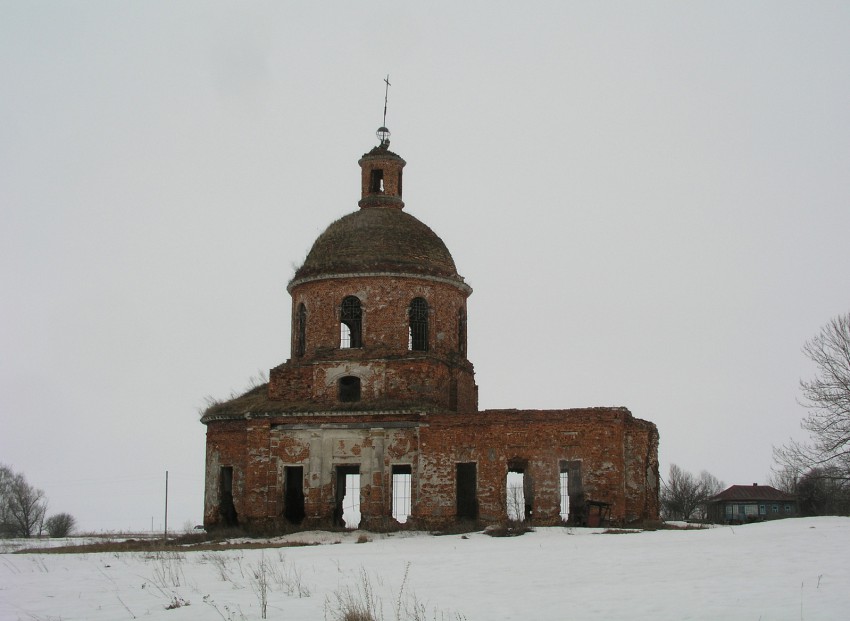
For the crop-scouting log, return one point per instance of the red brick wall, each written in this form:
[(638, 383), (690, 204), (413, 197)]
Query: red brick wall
[(618, 456)]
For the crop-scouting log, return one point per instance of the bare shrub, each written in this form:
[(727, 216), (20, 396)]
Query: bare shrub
[(362, 603), (60, 525), (167, 569), (220, 562), (177, 602), (358, 604), (259, 578)]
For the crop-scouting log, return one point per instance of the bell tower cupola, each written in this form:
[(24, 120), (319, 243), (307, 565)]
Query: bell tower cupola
[(381, 172)]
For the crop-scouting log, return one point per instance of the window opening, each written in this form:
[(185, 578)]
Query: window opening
[(376, 181), (461, 331), (347, 509), (226, 508), (301, 340), (467, 503), (418, 332), (349, 389), (564, 488), (573, 507), (515, 495), (350, 323), (293, 494), (402, 478)]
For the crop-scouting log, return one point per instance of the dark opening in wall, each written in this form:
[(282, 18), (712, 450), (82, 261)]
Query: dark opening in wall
[(518, 491), (564, 490), (574, 504), (347, 496), (376, 181), (402, 477), (461, 331), (293, 498), (350, 323), (418, 332), (226, 508), (467, 501), (301, 338), (349, 389)]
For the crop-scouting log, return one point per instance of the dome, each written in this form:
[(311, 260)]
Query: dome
[(382, 240)]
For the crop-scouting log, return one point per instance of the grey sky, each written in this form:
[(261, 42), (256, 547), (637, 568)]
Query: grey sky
[(650, 201)]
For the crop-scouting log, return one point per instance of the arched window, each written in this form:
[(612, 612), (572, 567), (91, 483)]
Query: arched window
[(349, 388), (301, 338), (461, 331), (418, 316), (350, 323)]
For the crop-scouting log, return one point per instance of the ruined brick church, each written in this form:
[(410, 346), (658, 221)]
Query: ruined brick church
[(377, 408)]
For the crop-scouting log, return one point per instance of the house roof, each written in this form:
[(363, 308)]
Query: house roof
[(752, 492)]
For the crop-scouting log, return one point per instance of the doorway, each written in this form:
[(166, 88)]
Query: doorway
[(293, 494), (347, 497), (467, 502)]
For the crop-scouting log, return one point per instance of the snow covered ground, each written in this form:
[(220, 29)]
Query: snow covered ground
[(789, 569)]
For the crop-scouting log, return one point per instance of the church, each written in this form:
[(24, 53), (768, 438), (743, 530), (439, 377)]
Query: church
[(373, 422)]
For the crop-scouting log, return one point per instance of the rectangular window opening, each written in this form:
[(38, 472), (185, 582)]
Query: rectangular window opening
[(347, 510), (515, 491), (376, 181), (564, 488), (402, 478), (226, 508)]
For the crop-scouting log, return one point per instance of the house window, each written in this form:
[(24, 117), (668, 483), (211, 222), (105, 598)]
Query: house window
[(775, 508), (349, 389), (418, 332), (729, 510), (787, 508), (301, 339), (762, 510), (350, 323)]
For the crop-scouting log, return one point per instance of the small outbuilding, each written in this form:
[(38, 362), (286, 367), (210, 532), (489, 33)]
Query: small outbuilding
[(751, 503)]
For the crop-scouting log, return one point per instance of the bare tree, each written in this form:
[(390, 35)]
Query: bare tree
[(785, 479), (683, 496), (828, 398), (60, 525), (820, 492), (22, 506)]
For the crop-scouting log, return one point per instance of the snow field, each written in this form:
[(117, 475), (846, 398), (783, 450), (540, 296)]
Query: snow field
[(789, 569)]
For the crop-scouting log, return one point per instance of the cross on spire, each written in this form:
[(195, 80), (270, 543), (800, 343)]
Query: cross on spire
[(386, 94)]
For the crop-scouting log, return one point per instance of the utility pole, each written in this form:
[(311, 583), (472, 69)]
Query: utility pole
[(165, 532)]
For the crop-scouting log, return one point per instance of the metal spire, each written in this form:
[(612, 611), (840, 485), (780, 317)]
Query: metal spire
[(386, 94), (383, 133)]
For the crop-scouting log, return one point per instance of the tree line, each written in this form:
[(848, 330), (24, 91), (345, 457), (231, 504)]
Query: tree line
[(23, 509)]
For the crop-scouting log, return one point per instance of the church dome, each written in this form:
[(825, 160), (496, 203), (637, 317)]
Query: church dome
[(378, 239)]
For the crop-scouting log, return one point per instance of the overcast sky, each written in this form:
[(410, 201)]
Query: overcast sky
[(650, 201)]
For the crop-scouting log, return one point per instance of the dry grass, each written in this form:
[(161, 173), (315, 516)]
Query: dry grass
[(140, 545)]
